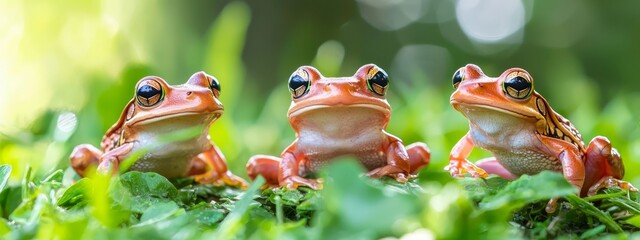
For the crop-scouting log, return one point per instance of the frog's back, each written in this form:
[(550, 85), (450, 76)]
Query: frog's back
[(557, 126)]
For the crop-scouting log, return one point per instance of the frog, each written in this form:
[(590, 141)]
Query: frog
[(334, 117), (158, 109), (517, 125)]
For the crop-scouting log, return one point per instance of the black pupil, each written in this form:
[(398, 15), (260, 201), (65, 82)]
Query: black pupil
[(457, 77), (215, 85), (518, 83), (296, 81), (147, 91), (380, 79)]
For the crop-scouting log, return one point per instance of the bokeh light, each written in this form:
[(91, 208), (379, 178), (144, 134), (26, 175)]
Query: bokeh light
[(490, 20)]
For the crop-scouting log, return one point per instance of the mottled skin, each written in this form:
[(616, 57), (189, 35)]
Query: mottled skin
[(517, 125), (159, 109), (335, 117)]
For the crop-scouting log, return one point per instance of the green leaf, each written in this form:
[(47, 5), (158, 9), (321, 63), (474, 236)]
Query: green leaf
[(55, 176), (137, 191), (158, 212), (287, 196), (479, 188), (635, 221), (75, 195), (5, 173), (205, 215), (592, 232), (359, 207), (4, 227), (529, 189), (230, 227), (590, 210)]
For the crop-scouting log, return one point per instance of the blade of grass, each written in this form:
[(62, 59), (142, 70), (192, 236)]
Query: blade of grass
[(5, 172), (231, 225), (279, 215), (591, 210), (604, 196)]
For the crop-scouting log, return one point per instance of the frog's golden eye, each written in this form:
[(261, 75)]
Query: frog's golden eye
[(215, 86), (299, 83), (149, 93), (377, 80), (518, 85), (458, 77)]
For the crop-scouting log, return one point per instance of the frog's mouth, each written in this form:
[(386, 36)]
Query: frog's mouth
[(312, 108), (203, 116), (465, 108)]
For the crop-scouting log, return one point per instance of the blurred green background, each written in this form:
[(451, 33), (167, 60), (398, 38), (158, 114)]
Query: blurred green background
[(67, 68)]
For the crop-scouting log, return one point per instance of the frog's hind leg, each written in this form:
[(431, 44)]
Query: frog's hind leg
[(215, 169), (492, 166), (83, 156), (264, 165), (604, 168), (419, 156)]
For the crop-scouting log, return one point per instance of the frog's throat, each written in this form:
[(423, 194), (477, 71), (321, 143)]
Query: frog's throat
[(300, 111), (216, 114)]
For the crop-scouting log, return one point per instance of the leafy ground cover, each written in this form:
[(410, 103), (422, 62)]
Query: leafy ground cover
[(138, 205)]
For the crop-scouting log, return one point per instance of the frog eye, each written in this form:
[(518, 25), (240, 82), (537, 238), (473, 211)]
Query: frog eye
[(518, 85), (458, 77), (377, 80), (299, 83), (149, 93), (215, 86)]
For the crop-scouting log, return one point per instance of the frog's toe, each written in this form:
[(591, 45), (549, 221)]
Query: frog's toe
[(401, 177), (294, 182), (609, 182), (552, 205)]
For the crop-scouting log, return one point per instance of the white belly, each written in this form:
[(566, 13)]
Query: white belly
[(512, 140), (326, 135)]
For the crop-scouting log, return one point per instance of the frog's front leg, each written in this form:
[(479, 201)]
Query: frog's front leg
[(458, 163), (110, 161), (289, 173), (604, 168), (217, 171), (83, 156), (398, 165), (280, 171)]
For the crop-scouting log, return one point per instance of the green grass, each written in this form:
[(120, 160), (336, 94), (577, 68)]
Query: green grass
[(138, 205)]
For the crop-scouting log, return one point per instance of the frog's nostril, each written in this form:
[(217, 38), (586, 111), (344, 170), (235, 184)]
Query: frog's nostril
[(189, 93)]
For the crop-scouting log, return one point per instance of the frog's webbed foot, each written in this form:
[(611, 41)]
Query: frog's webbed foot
[(609, 182), (457, 168), (217, 179), (83, 156), (390, 170), (230, 180), (294, 182), (552, 205)]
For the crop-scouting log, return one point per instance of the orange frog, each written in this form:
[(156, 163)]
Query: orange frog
[(158, 109), (335, 117), (517, 125)]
